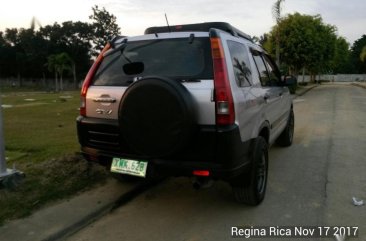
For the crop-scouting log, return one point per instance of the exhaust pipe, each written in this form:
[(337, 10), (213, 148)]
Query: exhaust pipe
[(202, 182)]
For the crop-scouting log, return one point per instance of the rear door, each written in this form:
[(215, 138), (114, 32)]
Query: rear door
[(284, 105), (184, 57), (272, 92), (247, 104)]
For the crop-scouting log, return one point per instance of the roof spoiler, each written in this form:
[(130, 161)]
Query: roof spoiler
[(200, 27)]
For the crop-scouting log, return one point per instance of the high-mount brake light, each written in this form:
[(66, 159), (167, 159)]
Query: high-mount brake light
[(225, 113), (88, 79)]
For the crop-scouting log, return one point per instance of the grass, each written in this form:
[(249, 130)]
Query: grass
[(40, 125), (40, 138)]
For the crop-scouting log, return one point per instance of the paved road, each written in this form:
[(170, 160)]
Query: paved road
[(310, 183)]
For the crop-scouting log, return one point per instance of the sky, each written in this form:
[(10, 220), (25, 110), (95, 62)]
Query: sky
[(133, 16)]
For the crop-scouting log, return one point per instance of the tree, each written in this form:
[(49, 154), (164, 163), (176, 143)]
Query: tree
[(58, 63), (27, 53), (7, 57), (11, 36), (104, 28), (306, 42), (357, 51), (276, 13), (17, 57), (341, 63), (363, 54), (76, 38), (52, 67), (2, 40)]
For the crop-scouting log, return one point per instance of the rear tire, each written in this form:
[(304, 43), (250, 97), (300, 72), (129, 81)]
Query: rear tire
[(250, 188), (287, 136)]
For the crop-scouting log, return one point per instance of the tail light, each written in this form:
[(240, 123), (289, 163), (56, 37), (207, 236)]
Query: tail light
[(89, 78), (225, 113)]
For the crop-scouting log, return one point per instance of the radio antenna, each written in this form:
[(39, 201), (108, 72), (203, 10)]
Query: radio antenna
[(167, 23)]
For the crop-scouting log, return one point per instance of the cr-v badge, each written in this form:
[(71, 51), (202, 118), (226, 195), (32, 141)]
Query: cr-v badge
[(102, 111)]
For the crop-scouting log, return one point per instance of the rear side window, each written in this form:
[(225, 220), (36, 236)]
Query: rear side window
[(262, 70), (273, 71), (268, 72), (179, 59), (240, 59)]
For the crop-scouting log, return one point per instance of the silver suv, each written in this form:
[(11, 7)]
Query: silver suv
[(191, 100)]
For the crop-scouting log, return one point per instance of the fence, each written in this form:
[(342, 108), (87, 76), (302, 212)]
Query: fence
[(68, 84), (41, 84), (335, 78)]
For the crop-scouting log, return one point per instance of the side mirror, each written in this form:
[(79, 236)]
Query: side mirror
[(290, 80)]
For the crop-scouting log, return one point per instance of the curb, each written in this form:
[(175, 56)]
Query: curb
[(69, 216), (100, 212), (359, 85), (80, 224), (306, 90)]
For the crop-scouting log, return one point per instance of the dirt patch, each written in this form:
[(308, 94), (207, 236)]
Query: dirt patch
[(49, 181), (69, 170)]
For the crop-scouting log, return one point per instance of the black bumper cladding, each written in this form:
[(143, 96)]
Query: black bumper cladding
[(218, 150)]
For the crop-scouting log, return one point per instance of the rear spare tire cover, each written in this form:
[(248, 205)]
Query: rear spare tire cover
[(156, 116)]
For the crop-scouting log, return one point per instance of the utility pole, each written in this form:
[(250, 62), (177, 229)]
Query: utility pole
[(8, 177)]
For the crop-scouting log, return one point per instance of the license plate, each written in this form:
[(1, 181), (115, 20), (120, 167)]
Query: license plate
[(129, 167)]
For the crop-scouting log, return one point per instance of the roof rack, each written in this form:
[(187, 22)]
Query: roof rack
[(202, 27)]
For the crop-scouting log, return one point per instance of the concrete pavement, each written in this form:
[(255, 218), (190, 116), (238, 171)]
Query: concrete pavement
[(310, 183), (68, 216)]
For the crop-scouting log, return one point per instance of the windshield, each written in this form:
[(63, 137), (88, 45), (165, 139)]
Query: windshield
[(179, 59)]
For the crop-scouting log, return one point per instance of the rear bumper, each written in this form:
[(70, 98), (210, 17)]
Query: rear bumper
[(218, 150)]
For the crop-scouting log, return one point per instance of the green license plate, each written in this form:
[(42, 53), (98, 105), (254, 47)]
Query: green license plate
[(129, 167)]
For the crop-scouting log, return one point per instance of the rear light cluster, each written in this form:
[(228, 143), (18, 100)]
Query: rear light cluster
[(88, 80), (225, 113)]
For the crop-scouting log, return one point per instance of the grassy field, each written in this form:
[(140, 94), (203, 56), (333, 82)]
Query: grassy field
[(41, 140)]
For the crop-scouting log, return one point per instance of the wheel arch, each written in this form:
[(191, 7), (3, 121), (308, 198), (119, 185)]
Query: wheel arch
[(264, 131)]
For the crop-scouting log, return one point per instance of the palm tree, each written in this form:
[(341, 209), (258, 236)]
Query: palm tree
[(276, 13), (52, 67), (65, 63), (58, 63), (35, 21)]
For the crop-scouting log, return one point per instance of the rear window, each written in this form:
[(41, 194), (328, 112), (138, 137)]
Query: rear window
[(180, 59)]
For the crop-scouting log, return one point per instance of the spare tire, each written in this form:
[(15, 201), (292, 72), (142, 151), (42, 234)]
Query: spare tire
[(156, 116)]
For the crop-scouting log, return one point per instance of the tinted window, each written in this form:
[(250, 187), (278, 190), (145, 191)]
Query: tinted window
[(173, 58), (241, 65), (262, 70), (273, 71)]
